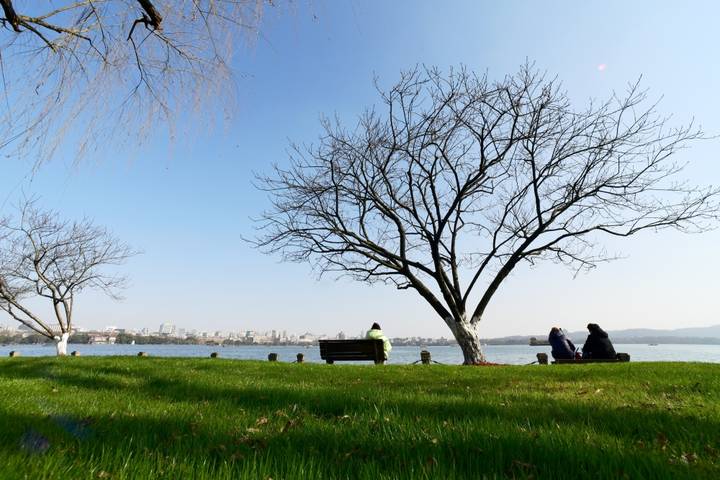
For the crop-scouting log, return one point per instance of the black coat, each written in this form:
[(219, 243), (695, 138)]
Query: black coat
[(562, 347), (598, 345)]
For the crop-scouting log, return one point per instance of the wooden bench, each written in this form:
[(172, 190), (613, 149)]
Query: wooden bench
[(347, 350), (621, 357)]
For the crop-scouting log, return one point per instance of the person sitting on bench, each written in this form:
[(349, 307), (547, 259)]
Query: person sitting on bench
[(598, 344), (562, 347), (376, 333)]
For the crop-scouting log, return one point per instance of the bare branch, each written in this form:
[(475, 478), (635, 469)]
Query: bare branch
[(42, 256), (10, 15), (83, 63)]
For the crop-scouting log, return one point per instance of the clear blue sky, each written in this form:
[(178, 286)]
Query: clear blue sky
[(187, 202)]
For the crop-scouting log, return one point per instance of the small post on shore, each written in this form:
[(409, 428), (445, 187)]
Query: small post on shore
[(425, 357), (272, 357), (14, 353), (300, 358), (214, 355), (142, 354), (75, 353), (542, 358)]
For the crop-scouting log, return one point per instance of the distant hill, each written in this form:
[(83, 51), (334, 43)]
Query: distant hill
[(692, 335), (692, 332), (696, 332)]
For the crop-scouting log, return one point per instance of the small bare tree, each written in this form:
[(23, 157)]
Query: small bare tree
[(102, 70), (462, 179), (41, 256)]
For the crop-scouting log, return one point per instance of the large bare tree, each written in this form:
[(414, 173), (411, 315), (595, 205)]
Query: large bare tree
[(41, 256), (93, 71), (459, 180)]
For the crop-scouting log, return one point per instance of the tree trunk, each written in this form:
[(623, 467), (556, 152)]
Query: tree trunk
[(62, 342), (469, 341)]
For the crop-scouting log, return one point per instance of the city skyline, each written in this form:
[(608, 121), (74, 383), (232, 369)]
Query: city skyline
[(109, 333)]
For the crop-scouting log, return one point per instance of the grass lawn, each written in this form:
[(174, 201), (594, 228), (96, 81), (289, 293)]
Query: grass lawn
[(128, 417)]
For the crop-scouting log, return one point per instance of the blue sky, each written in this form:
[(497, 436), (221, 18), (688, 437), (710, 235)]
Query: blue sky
[(186, 202)]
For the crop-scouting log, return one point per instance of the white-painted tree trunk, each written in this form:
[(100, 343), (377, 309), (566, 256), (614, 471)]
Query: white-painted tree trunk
[(61, 345), (469, 341)]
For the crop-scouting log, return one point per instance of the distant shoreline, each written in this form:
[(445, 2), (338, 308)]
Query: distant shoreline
[(656, 342)]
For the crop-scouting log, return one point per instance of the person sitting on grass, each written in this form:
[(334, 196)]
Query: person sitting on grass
[(376, 333), (598, 345), (562, 347)]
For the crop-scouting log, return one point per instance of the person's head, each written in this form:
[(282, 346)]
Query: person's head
[(593, 327), (375, 326), (554, 330)]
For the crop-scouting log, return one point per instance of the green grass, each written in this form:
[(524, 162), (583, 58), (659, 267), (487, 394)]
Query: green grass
[(202, 418)]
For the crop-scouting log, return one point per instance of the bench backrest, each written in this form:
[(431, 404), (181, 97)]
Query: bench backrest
[(340, 350)]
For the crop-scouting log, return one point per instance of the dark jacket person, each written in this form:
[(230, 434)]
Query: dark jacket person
[(562, 347), (598, 344)]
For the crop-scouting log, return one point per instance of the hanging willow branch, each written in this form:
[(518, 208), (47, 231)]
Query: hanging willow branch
[(83, 66)]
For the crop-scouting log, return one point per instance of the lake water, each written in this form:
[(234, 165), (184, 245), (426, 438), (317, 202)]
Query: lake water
[(510, 354)]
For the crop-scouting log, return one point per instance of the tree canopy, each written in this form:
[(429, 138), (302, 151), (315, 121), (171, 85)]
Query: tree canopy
[(459, 179), (54, 260)]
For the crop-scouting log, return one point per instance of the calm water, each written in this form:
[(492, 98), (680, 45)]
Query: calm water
[(511, 354)]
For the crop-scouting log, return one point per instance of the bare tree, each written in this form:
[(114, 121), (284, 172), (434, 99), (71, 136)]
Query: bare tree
[(41, 256), (101, 70), (461, 180)]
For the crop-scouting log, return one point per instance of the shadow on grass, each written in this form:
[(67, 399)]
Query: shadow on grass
[(482, 438), (182, 448)]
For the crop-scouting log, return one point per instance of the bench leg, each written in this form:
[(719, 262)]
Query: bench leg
[(329, 362)]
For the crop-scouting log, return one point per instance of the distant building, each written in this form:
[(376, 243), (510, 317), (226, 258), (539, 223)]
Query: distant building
[(167, 329), (307, 337), (25, 331)]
